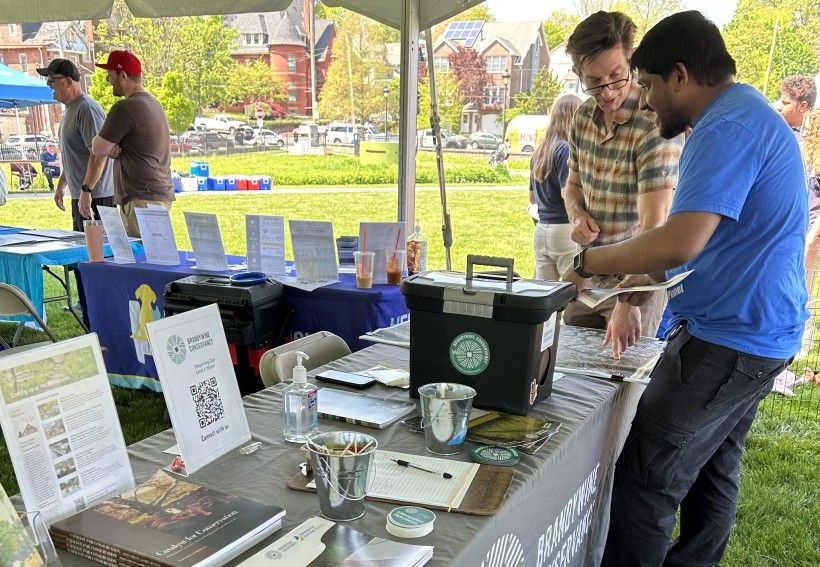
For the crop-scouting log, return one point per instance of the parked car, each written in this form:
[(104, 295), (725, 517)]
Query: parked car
[(265, 137), (29, 144), (243, 135), (7, 153), (304, 129), (483, 141), (209, 141), (220, 123), (347, 132), (179, 146), (525, 131), (448, 139)]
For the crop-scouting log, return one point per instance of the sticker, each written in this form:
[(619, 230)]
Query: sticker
[(470, 354), (533, 391), (548, 334)]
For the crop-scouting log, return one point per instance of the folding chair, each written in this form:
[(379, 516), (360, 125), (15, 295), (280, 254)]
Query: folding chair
[(14, 302), (322, 347), (23, 172)]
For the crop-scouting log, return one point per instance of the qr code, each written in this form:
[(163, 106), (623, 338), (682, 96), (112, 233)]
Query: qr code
[(79, 504), (207, 401)]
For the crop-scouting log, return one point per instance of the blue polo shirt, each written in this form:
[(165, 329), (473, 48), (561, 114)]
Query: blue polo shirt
[(748, 290)]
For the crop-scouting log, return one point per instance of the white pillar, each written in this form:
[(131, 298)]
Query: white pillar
[(407, 113)]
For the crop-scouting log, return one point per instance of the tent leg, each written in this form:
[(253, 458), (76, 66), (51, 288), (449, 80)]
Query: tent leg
[(407, 113)]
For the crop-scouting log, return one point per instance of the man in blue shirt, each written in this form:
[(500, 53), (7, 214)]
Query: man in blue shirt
[(50, 164), (738, 219)]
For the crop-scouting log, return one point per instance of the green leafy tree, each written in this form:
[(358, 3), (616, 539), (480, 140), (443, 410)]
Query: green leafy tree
[(179, 109), (647, 13), (539, 100), (450, 102), (253, 81), (100, 90), (558, 27)]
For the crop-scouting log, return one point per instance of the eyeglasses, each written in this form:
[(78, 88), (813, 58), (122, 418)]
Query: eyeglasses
[(613, 86), (50, 80)]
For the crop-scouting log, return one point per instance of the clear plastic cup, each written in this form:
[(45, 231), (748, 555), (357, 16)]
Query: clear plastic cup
[(364, 268), (94, 239), (396, 266)]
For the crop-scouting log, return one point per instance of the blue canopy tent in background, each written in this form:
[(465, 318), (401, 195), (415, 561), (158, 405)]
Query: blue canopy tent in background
[(19, 90)]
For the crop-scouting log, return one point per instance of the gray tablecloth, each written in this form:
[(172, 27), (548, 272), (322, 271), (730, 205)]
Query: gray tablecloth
[(556, 512)]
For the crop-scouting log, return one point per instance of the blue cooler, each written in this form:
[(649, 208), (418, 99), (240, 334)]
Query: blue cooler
[(230, 184), (201, 183), (218, 183), (176, 182), (194, 165), (265, 183)]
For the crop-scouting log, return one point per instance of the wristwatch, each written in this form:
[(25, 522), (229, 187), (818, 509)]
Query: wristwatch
[(85, 189), (578, 265)]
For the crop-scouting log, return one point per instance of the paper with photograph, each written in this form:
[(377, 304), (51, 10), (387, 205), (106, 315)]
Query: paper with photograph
[(592, 297)]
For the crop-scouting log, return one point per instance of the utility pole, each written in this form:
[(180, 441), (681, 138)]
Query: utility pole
[(314, 111)]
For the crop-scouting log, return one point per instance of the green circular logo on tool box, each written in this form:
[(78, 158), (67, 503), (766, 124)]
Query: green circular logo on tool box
[(470, 353)]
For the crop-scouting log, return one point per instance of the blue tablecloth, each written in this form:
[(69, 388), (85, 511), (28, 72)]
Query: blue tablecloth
[(114, 298)]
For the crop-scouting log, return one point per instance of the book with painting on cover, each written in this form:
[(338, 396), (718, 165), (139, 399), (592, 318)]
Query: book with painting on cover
[(16, 545), (593, 297), (167, 522), (318, 542)]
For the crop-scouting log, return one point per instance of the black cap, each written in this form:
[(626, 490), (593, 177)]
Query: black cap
[(60, 67)]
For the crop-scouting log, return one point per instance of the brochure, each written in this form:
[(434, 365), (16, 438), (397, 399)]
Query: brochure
[(265, 237), (199, 384), (381, 237), (117, 237), (60, 424), (157, 235), (361, 409), (170, 522), (318, 542), (523, 432), (314, 251), (16, 545), (206, 241), (593, 297)]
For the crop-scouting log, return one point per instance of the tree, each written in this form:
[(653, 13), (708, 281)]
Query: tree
[(251, 82), (470, 71), (179, 109), (647, 13), (588, 7), (100, 90), (558, 27), (450, 102), (545, 90)]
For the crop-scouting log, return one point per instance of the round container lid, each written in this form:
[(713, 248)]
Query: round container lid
[(410, 522), (495, 455), (248, 278)]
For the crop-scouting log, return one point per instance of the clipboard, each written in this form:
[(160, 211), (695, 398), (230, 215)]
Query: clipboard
[(485, 496)]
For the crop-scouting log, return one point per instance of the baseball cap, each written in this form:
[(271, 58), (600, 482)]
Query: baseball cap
[(122, 61), (60, 67)]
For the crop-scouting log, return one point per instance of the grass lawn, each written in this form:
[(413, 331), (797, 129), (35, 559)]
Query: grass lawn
[(779, 515)]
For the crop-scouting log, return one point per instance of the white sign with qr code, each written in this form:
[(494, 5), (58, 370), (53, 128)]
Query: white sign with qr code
[(199, 385)]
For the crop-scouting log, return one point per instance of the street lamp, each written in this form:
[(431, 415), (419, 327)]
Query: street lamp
[(386, 93), (505, 78)]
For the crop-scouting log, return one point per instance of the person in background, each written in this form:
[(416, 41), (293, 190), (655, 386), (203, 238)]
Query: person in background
[(798, 94), (552, 241), (811, 157), (82, 119), (738, 220), (622, 173), (50, 163), (136, 134)]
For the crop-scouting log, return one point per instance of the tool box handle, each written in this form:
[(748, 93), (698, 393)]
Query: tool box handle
[(478, 260)]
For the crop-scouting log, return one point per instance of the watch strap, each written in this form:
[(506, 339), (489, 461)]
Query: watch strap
[(578, 265), (85, 189)]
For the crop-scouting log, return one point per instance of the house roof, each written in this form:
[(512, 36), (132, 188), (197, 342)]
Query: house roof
[(282, 28), (516, 37), (46, 34)]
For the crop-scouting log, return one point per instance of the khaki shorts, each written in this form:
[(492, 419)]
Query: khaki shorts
[(129, 217)]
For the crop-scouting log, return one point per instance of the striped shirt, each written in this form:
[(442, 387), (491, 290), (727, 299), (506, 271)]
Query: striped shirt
[(614, 167)]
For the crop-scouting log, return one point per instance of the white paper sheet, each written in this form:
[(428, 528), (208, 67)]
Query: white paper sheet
[(314, 251), (117, 237), (206, 240), (157, 236), (265, 237), (61, 428), (381, 237), (199, 385)]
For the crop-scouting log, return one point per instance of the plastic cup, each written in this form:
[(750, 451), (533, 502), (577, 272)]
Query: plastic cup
[(445, 410), (396, 265), (364, 268), (94, 239)]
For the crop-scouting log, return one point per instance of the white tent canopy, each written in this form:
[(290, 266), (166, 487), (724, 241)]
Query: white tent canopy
[(409, 16)]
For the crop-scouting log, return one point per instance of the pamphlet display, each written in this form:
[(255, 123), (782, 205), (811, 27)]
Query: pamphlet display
[(117, 237), (206, 241), (167, 521), (61, 428), (17, 547), (265, 237), (381, 237), (318, 542), (314, 251), (157, 235), (199, 384)]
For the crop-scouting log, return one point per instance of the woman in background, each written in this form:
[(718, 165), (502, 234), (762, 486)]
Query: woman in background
[(554, 249)]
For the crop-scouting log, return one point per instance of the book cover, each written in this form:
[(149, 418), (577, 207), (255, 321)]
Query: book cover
[(168, 521), (318, 542), (16, 546), (522, 432)]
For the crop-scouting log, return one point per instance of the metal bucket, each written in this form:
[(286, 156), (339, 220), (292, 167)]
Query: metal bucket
[(445, 410), (341, 467)]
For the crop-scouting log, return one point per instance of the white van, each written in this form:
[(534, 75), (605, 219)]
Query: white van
[(525, 131), (344, 132)]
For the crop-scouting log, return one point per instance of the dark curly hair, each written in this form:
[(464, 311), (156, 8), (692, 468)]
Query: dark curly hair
[(801, 88)]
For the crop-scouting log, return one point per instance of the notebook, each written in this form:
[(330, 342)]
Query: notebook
[(361, 409)]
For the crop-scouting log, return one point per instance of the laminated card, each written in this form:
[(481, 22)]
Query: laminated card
[(199, 385), (206, 241), (117, 237), (157, 235), (314, 251), (265, 237)]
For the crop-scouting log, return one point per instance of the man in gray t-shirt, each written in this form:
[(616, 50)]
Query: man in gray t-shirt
[(82, 119)]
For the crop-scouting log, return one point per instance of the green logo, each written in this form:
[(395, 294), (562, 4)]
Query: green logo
[(176, 349), (470, 354)]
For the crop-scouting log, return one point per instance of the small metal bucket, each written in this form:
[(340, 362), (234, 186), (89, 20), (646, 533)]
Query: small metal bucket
[(341, 467), (445, 410)]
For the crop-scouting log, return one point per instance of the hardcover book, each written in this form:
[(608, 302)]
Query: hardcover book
[(167, 522)]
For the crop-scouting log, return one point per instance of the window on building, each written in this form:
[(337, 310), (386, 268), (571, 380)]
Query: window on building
[(12, 29), (493, 95), (291, 63), (441, 64), (495, 64), (87, 80), (292, 94), (23, 62), (74, 59)]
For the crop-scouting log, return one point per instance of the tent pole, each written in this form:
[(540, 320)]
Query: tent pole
[(17, 116), (408, 88), (435, 125)]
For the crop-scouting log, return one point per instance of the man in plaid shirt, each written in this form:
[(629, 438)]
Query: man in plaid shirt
[(622, 173)]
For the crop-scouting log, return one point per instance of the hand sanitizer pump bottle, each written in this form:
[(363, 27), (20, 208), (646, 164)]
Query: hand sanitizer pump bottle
[(300, 410)]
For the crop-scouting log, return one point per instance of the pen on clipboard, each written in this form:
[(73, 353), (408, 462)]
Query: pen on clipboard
[(403, 463)]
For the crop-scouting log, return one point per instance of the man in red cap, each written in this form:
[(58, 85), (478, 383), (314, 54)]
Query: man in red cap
[(136, 135)]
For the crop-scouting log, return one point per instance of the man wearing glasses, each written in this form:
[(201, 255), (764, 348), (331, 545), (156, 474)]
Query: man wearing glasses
[(82, 119), (622, 173)]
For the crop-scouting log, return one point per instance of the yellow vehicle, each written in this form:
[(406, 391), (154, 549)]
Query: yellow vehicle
[(525, 131)]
